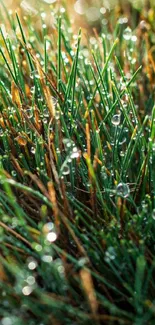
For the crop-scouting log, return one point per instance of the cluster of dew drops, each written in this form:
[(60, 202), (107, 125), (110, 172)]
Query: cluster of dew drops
[(50, 235), (72, 153)]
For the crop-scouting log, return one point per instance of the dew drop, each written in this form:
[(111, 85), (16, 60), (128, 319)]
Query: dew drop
[(127, 34), (75, 153), (122, 153), (116, 119), (27, 290), (6, 321), (57, 115), (153, 214), (134, 38), (67, 142), (30, 280), (47, 258), (37, 247), (50, 231), (122, 20), (123, 190), (51, 236), (32, 263), (66, 170), (110, 254), (102, 10), (14, 173), (122, 141), (48, 227), (32, 150), (62, 10)]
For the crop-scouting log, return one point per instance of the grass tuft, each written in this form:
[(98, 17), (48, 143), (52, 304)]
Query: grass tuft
[(77, 177)]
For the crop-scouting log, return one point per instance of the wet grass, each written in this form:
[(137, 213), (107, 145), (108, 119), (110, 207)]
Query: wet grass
[(77, 177)]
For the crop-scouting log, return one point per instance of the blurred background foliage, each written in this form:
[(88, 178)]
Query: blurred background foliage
[(88, 12), (95, 18)]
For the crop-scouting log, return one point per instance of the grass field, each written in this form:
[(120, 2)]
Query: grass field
[(77, 157)]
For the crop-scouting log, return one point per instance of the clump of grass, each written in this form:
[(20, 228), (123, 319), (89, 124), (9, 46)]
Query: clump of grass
[(77, 178)]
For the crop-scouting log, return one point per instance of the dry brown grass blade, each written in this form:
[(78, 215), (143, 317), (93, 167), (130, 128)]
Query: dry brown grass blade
[(121, 208), (42, 74), (46, 90), (16, 165), (3, 276), (6, 174), (31, 211), (66, 207), (22, 141), (53, 168), (7, 123), (45, 87), (16, 96), (38, 123), (88, 287), (38, 182), (14, 233), (20, 250), (48, 169), (53, 199), (2, 124)]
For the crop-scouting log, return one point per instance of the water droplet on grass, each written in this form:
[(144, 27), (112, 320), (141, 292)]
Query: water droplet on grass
[(153, 214), (32, 263), (14, 173), (103, 10), (57, 115), (110, 254), (122, 153), (47, 258), (62, 10), (37, 247), (122, 141), (30, 280), (51, 236), (134, 38), (27, 290), (122, 20), (65, 170), (123, 190), (75, 153), (116, 119), (127, 34), (67, 142), (50, 231), (6, 321), (48, 227), (33, 150)]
